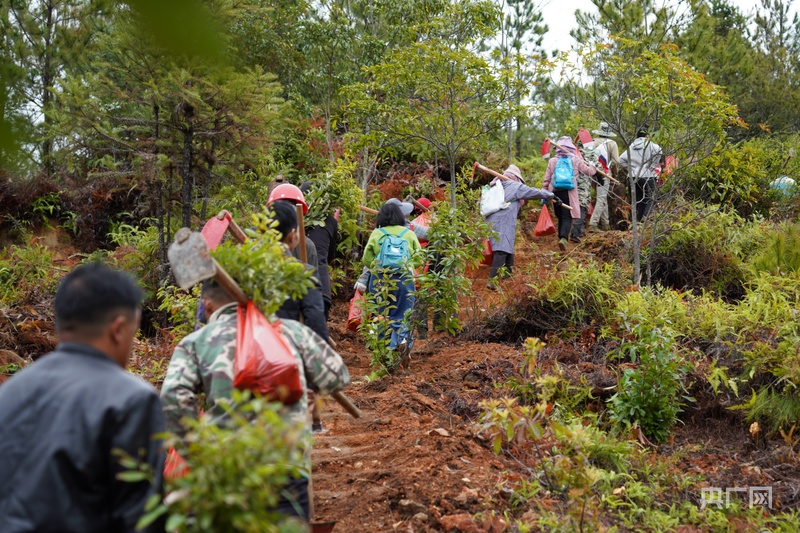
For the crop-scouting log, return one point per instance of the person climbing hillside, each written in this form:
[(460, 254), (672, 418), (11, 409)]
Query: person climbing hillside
[(504, 221), (392, 252), (310, 306), (325, 239), (420, 225), (202, 364), (293, 194), (605, 147), (63, 418), (557, 180), (641, 159)]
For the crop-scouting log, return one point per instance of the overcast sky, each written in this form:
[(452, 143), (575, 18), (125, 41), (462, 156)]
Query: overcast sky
[(559, 15)]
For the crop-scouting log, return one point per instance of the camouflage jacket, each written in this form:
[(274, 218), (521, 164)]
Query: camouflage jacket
[(584, 190), (203, 363)]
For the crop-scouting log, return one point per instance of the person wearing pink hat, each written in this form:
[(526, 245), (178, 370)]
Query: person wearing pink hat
[(504, 222), (567, 196)]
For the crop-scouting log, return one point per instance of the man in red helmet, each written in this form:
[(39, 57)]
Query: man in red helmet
[(292, 193)]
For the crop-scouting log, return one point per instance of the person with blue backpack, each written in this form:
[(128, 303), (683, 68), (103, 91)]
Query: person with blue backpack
[(561, 178), (392, 252)]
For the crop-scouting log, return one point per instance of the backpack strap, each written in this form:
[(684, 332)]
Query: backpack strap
[(385, 234), (403, 232)]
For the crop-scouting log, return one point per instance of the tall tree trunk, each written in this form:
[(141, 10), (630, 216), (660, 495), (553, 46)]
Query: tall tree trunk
[(186, 169), (637, 247), (452, 159), (47, 97)]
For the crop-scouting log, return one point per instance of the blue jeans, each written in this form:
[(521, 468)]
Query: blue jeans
[(403, 296)]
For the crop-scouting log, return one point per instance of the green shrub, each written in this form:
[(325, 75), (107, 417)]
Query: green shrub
[(651, 394), (263, 267), (332, 190), (703, 249), (235, 472), (583, 292), (455, 244), (780, 251), (23, 267)]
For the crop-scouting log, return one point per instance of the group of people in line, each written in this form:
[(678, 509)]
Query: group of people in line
[(596, 163), (63, 417)]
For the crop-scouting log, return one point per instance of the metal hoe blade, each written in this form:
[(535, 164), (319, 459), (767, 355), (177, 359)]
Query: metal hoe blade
[(190, 259)]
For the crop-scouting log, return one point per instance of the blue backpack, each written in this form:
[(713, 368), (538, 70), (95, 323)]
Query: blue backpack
[(394, 250), (564, 174)]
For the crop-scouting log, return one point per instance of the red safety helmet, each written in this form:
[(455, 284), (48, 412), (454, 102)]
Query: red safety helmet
[(287, 191)]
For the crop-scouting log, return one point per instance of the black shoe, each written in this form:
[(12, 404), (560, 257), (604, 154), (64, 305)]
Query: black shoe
[(575, 239)]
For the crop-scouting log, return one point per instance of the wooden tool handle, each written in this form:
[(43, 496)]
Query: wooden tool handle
[(345, 402), (418, 205), (493, 172), (368, 210), (301, 228), (227, 282), (233, 228)]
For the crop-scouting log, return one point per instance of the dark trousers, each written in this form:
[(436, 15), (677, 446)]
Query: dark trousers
[(294, 499), (579, 224), (500, 260), (645, 196), (564, 215)]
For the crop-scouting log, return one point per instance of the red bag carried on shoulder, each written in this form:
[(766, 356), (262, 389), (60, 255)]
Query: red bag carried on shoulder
[(545, 224), (356, 310), (264, 363)]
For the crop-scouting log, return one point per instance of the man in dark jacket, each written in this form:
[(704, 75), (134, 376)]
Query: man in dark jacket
[(310, 305), (63, 418)]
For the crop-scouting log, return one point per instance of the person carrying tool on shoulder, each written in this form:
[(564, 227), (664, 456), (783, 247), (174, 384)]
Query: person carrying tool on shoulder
[(294, 195), (325, 239), (202, 363), (504, 221), (393, 252), (641, 159), (561, 178), (605, 147), (310, 306)]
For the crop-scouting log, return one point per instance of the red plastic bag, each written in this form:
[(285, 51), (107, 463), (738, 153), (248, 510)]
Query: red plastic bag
[(264, 363), (175, 466), (488, 253), (590, 210), (356, 310), (545, 224)]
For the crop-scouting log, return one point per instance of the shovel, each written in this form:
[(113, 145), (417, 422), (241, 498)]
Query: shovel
[(216, 227), (192, 263)]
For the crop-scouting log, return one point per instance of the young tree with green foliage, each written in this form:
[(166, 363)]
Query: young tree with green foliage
[(633, 87), (141, 110), (439, 91)]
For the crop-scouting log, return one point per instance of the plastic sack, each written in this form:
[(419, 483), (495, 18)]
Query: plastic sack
[(590, 210), (488, 253), (493, 199), (356, 310), (545, 224), (175, 466), (264, 363)]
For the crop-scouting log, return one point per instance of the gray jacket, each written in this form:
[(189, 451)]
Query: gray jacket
[(504, 222), (641, 158)]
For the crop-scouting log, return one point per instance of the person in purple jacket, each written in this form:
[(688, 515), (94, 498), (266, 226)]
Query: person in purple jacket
[(504, 222)]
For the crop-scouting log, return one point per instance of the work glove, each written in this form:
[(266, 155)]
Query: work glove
[(557, 201), (361, 287)]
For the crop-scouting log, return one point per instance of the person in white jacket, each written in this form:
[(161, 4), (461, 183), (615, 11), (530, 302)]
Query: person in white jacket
[(641, 160)]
